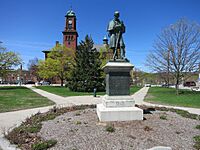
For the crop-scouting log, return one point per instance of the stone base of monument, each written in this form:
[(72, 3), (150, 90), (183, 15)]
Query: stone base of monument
[(119, 113), (118, 108), (117, 104)]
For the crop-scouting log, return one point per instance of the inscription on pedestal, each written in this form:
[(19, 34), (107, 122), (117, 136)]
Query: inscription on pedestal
[(118, 83)]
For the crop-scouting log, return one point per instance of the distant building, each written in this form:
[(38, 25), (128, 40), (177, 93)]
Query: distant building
[(70, 34), (15, 76), (70, 39)]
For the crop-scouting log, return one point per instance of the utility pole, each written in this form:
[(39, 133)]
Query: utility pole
[(20, 75), (199, 75)]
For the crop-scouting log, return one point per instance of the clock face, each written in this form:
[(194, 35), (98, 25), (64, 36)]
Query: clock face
[(70, 22)]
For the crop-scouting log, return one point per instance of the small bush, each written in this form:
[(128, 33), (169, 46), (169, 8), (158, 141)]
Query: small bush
[(147, 128), (197, 142), (34, 128), (163, 117), (198, 127), (78, 114), (78, 122), (44, 145), (110, 128)]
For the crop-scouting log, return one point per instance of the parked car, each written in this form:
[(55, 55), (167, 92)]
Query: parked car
[(44, 83), (167, 85), (30, 82), (189, 83), (147, 85)]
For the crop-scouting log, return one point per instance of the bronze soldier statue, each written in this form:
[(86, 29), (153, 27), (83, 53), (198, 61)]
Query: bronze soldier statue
[(115, 30)]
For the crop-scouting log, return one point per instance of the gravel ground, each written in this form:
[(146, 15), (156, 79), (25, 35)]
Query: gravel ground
[(80, 130)]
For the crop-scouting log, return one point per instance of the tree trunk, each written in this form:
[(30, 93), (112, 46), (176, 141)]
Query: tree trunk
[(62, 81), (177, 86)]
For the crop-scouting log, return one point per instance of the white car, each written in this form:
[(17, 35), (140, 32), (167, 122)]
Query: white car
[(147, 85)]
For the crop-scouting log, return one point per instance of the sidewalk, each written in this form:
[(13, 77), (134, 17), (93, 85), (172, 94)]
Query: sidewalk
[(190, 110), (67, 101), (140, 95), (9, 120)]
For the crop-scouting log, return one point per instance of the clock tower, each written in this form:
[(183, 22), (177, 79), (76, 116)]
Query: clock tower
[(70, 35)]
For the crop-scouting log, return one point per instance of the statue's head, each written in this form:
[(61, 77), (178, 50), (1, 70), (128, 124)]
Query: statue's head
[(116, 14)]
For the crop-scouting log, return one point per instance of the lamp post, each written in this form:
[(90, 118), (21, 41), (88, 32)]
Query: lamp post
[(20, 75), (199, 76)]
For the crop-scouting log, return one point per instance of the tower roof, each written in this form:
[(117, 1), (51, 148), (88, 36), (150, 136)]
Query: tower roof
[(105, 38), (70, 13)]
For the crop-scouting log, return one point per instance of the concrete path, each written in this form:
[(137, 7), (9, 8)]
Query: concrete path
[(67, 101), (140, 95), (190, 110), (9, 120)]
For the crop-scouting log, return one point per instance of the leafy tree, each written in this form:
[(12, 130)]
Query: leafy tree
[(8, 60), (176, 51), (58, 63), (86, 73)]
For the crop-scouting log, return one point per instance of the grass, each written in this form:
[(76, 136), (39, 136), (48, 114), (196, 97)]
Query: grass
[(17, 98), (134, 89), (167, 96), (63, 91)]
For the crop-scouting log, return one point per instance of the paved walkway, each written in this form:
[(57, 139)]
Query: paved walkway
[(9, 120), (67, 101), (140, 95)]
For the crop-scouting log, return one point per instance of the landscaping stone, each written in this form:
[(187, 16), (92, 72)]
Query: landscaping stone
[(176, 132), (160, 148)]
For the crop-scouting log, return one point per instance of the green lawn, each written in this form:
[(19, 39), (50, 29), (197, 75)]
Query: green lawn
[(63, 91), (17, 98), (167, 96)]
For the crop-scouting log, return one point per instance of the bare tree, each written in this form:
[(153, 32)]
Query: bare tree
[(177, 50), (33, 68)]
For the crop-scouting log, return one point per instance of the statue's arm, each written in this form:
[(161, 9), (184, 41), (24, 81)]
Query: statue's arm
[(110, 28), (123, 27)]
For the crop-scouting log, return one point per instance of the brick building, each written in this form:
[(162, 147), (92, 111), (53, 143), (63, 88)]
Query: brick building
[(70, 37)]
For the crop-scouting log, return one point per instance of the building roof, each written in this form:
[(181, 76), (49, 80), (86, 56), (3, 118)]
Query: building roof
[(99, 47), (70, 13)]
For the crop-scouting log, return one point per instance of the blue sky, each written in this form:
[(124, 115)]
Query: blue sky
[(30, 26)]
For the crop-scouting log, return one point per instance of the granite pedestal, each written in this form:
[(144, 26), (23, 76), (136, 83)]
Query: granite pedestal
[(117, 104)]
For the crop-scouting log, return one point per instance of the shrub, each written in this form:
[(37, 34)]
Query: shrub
[(197, 142), (163, 117), (110, 128), (44, 145), (198, 127)]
